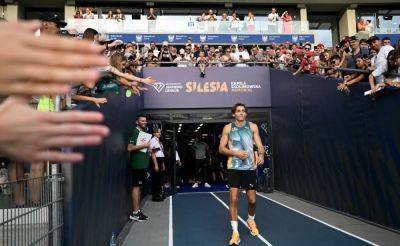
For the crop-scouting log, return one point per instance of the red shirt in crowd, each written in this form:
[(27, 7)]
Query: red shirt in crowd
[(309, 67)]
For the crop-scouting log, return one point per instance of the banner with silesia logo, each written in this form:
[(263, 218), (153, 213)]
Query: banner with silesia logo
[(180, 87)]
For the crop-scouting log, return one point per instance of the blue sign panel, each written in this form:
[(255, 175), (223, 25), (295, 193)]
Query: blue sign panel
[(215, 38)]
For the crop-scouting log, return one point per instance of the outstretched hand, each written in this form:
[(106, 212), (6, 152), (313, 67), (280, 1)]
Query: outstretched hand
[(30, 135), (47, 64)]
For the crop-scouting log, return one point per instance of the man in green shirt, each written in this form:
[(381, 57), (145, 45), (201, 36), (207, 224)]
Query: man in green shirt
[(139, 161)]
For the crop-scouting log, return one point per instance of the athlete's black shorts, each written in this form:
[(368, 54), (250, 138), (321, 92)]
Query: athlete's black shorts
[(242, 179), (139, 177)]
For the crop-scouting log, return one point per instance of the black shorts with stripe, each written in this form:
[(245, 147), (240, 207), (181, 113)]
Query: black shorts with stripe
[(242, 179), (139, 177)]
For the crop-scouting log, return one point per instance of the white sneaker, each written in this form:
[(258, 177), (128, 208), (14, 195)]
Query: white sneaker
[(207, 185), (196, 185)]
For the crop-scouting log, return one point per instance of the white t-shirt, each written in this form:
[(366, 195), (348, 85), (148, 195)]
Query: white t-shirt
[(235, 23), (272, 18), (381, 60), (157, 147), (182, 62), (88, 16), (244, 54)]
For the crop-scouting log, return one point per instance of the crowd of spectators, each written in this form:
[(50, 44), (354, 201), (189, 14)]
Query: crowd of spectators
[(226, 22), (88, 14), (354, 60)]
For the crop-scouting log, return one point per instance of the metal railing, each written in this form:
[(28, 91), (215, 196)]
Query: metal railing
[(190, 26), (31, 211)]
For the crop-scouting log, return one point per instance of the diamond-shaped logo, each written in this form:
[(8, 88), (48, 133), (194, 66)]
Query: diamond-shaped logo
[(159, 86)]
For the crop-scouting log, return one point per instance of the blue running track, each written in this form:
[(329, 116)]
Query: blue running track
[(202, 219)]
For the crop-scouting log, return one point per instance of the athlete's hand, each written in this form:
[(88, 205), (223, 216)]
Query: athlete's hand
[(156, 169), (259, 160), (241, 154)]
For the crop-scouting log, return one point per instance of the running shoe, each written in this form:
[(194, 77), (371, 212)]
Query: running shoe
[(196, 185), (207, 185), (143, 215), (253, 227), (137, 217), (235, 239)]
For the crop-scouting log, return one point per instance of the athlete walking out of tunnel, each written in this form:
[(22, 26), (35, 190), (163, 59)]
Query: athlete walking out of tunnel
[(237, 142)]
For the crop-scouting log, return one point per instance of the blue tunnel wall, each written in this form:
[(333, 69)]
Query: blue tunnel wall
[(97, 192), (335, 150)]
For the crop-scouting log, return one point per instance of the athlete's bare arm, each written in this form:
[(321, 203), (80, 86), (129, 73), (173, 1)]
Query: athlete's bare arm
[(258, 142), (224, 143)]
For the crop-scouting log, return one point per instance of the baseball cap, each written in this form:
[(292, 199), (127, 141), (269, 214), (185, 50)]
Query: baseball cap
[(181, 51), (310, 54), (320, 45), (53, 17), (353, 38), (165, 43)]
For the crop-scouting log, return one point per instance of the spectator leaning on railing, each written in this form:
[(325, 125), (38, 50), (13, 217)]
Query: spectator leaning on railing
[(78, 15), (152, 15), (119, 15), (380, 64), (210, 16), (88, 14), (235, 22), (272, 20), (110, 15), (182, 60), (354, 78), (251, 25), (394, 76), (287, 23)]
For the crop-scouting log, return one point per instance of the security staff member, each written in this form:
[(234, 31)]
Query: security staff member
[(158, 167)]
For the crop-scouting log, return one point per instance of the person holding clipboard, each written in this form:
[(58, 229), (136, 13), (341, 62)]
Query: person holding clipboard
[(138, 146)]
